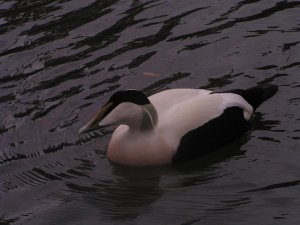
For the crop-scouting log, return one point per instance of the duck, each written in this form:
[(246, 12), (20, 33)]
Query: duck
[(175, 125)]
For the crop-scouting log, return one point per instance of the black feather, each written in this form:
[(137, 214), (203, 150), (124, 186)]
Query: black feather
[(213, 135), (133, 96), (256, 95)]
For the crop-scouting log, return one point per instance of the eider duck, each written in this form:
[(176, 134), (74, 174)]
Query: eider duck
[(175, 125)]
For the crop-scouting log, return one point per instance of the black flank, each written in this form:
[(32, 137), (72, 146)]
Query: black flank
[(213, 135)]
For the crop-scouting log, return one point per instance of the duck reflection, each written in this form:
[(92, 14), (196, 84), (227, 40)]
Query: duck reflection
[(124, 194)]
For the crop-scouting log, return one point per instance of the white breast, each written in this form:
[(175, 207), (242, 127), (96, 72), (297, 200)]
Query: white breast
[(139, 149)]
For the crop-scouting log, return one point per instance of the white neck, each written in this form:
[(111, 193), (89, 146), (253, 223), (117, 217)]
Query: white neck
[(149, 119), (137, 118)]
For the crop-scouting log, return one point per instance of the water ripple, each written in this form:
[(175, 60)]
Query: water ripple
[(61, 60)]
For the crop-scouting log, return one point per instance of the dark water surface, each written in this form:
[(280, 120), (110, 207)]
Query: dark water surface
[(60, 60)]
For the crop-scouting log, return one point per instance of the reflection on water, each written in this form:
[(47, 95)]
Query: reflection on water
[(60, 60)]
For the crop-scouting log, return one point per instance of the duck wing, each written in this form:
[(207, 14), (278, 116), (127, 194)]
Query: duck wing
[(230, 121)]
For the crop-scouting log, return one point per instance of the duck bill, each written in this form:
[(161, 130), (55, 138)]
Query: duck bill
[(93, 124)]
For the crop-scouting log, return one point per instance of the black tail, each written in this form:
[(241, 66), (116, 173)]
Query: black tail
[(256, 95)]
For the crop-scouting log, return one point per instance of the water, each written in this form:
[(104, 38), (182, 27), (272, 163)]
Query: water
[(61, 60)]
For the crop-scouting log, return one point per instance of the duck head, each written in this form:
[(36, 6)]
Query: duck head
[(128, 107)]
